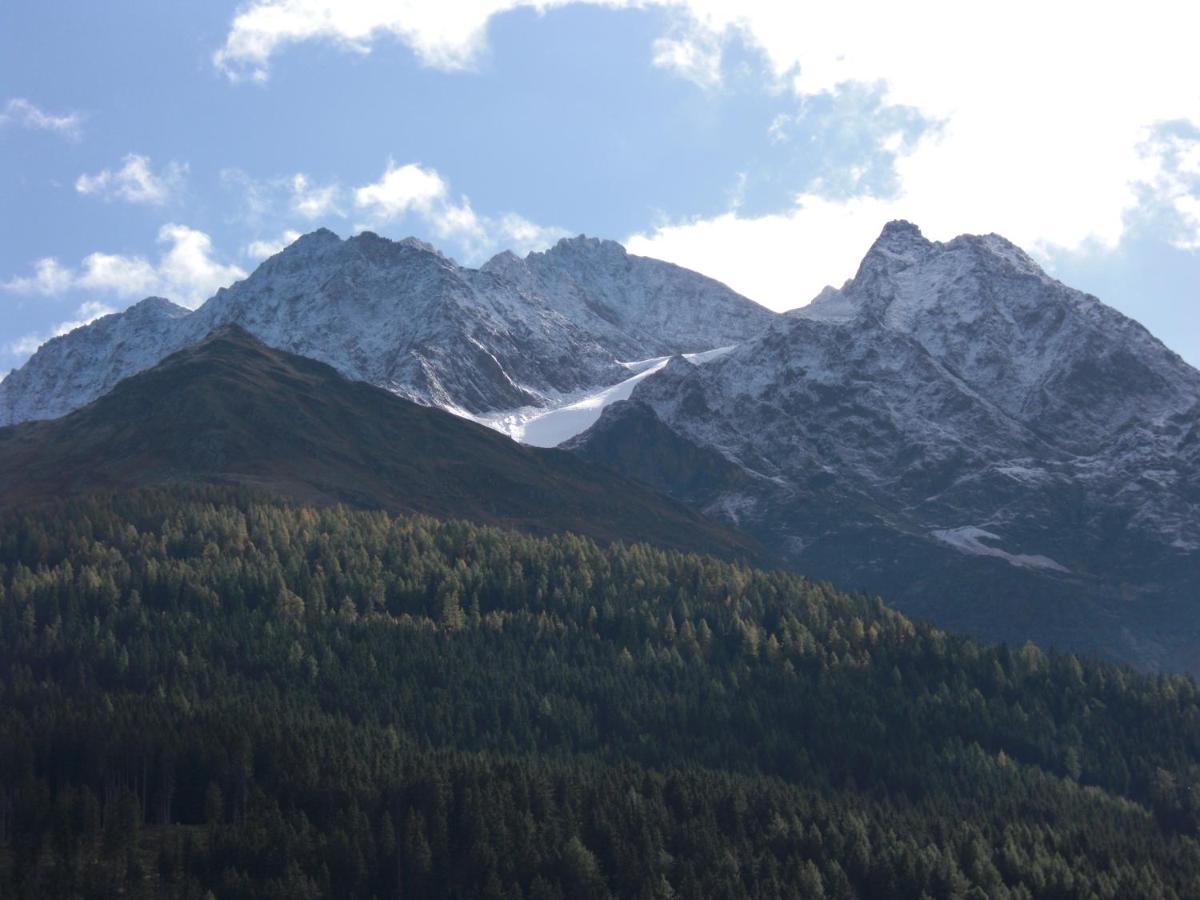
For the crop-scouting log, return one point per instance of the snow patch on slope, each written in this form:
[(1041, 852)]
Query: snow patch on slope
[(970, 539), (541, 427)]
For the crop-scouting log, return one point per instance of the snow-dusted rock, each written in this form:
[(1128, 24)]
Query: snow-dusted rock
[(959, 431), (74, 369), (514, 333)]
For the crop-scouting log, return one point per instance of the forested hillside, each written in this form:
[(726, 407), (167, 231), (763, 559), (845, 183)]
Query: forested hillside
[(230, 410), (205, 690)]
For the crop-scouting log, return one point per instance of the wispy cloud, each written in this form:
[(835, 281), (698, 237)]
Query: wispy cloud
[(442, 34), (23, 113), (135, 181), (187, 271), (268, 203)]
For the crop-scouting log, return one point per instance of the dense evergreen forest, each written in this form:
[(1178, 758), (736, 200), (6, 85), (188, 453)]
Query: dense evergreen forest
[(211, 691)]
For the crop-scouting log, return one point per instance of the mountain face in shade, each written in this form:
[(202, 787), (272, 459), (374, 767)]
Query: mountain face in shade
[(399, 315), (961, 433), (231, 410)]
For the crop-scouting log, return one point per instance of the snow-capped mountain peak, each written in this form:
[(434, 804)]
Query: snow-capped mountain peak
[(951, 398), (401, 315)]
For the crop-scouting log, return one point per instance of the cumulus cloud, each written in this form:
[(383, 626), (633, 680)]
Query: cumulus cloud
[(1043, 111), (773, 258), (400, 189), (135, 181), (186, 271), (422, 192), (48, 278), (24, 114), (1042, 131), (312, 201), (261, 249)]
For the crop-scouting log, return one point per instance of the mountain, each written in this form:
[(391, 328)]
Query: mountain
[(231, 410), (399, 315), (960, 432)]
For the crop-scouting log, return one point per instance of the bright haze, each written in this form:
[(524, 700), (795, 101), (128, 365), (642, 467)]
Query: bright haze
[(151, 149)]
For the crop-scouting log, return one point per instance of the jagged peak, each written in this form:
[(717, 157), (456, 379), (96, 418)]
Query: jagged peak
[(369, 242), (581, 244), (503, 262), (320, 238), (901, 228), (899, 241), (322, 234), (416, 243)]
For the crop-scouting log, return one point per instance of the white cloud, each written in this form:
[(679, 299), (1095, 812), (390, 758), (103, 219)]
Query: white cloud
[(48, 278), (512, 232), (400, 189), (695, 56), (267, 203), (414, 189), (1174, 183), (1043, 110), (311, 201), (135, 181), (124, 276), (780, 260), (261, 249), (1045, 145), (22, 113), (186, 271), (444, 35)]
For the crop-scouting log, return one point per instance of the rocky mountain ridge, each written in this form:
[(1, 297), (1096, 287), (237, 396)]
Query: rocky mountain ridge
[(400, 315), (953, 409)]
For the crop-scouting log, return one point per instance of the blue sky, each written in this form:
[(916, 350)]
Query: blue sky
[(165, 148)]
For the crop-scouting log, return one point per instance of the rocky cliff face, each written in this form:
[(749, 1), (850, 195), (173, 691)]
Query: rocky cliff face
[(401, 316), (961, 432)]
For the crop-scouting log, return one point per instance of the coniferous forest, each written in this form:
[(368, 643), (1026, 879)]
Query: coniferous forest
[(210, 692)]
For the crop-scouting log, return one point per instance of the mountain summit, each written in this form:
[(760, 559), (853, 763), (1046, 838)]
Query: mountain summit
[(402, 316), (960, 432)]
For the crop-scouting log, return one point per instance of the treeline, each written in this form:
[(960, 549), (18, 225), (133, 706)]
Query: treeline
[(211, 691)]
